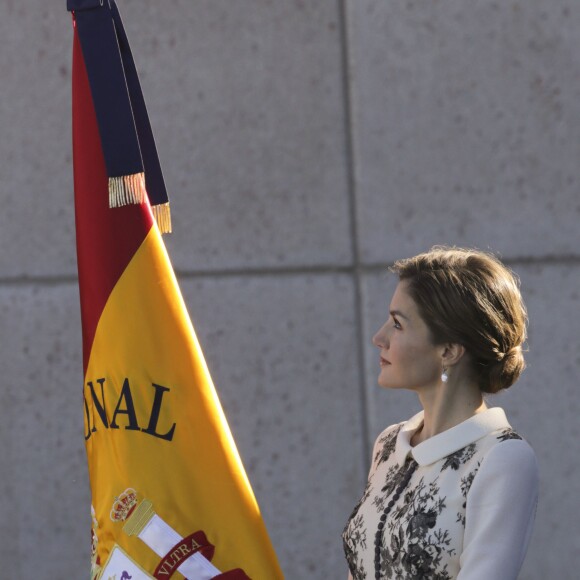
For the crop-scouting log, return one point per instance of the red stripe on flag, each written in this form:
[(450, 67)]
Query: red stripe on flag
[(107, 238)]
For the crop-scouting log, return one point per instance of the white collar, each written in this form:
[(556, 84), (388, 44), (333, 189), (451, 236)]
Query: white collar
[(449, 441)]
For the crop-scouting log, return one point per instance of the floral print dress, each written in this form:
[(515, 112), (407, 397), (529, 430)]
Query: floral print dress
[(467, 512)]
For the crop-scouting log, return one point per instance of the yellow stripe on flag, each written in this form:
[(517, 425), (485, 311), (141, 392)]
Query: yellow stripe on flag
[(154, 424)]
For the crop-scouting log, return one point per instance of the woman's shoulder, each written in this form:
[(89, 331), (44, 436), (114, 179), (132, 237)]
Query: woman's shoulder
[(388, 435), (510, 463), (393, 430), (385, 443), (504, 439), (505, 451), (389, 431), (509, 443)]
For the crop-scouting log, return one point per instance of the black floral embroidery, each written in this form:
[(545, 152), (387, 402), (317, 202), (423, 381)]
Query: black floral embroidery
[(364, 497), (388, 443), (507, 434), (395, 475), (416, 547), (465, 487), (459, 457), (468, 480), (355, 564), (366, 492), (354, 536)]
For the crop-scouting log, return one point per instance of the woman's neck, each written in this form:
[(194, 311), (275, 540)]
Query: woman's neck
[(447, 405)]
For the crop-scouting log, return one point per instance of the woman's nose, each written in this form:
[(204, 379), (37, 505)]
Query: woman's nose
[(380, 339)]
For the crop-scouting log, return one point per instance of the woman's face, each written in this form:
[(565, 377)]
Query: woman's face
[(408, 358)]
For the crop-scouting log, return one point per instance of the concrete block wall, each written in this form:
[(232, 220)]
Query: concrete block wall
[(305, 147)]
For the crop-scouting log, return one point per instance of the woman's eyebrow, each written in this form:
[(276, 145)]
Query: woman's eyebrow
[(398, 313)]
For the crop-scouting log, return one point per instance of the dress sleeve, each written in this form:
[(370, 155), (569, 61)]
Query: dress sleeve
[(500, 512)]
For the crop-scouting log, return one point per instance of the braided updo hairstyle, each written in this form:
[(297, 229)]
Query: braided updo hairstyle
[(469, 297)]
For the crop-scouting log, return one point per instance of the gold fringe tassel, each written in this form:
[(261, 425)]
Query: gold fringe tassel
[(127, 189), (162, 215)]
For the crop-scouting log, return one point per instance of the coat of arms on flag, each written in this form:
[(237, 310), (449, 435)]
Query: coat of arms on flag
[(170, 497)]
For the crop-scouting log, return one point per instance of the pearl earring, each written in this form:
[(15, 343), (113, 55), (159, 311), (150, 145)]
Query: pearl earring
[(444, 376)]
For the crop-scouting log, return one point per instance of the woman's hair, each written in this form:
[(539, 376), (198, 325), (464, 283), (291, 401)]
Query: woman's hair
[(469, 297)]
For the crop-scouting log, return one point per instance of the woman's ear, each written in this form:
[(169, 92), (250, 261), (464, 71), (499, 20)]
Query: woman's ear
[(452, 354)]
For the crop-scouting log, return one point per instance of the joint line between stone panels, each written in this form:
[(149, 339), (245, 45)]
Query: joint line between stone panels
[(562, 260), (322, 269), (38, 280), (351, 185), (357, 269)]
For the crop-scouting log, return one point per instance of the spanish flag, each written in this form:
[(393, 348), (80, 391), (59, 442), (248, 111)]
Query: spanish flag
[(170, 497)]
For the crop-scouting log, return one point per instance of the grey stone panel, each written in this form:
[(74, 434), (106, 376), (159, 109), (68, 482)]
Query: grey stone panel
[(543, 405), (36, 191), (44, 493), (465, 126), (246, 103), (282, 354)]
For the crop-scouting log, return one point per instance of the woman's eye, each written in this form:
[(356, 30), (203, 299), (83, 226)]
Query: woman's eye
[(396, 323)]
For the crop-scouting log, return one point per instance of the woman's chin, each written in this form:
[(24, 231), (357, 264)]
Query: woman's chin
[(386, 384)]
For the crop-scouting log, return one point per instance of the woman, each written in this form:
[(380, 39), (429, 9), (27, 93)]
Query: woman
[(452, 492)]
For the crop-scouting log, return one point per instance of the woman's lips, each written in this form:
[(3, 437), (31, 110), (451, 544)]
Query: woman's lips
[(384, 362)]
